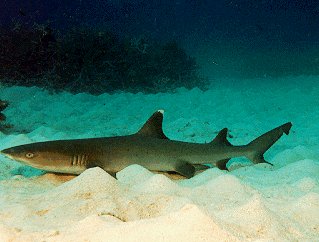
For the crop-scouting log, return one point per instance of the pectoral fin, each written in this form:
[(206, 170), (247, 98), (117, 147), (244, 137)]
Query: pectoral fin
[(185, 169)]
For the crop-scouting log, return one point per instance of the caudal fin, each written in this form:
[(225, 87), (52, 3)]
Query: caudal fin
[(259, 146)]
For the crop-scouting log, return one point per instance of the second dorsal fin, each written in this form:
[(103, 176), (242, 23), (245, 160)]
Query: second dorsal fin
[(221, 138), (153, 126)]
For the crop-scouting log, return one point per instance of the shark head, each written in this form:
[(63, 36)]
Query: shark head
[(47, 156)]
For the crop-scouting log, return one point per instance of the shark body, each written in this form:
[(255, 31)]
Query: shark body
[(149, 147)]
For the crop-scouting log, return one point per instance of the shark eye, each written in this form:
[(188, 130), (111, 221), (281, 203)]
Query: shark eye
[(29, 155)]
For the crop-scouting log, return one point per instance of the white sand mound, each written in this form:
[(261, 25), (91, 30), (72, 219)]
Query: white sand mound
[(95, 206), (187, 224)]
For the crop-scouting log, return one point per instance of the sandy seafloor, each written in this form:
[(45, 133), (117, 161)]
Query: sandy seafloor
[(250, 203)]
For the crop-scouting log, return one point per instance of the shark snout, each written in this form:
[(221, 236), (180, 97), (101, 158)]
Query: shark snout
[(7, 152)]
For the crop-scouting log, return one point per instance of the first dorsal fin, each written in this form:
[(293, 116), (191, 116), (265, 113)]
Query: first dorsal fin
[(153, 126), (221, 138)]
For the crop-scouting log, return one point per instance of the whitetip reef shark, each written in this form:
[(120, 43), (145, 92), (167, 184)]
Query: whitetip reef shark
[(149, 147)]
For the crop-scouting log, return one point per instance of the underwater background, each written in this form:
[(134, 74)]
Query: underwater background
[(80, 69), (100, 46)]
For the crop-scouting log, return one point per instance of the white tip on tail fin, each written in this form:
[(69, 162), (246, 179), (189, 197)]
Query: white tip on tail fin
[(259, 146)]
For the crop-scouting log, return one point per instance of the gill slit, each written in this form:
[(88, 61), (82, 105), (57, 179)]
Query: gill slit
[(79, 160)]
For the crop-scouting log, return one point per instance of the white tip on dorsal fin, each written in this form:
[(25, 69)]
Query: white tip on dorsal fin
[(153, 126), (221, 138)]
